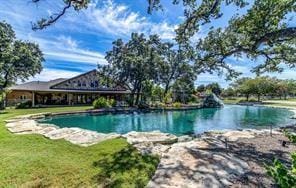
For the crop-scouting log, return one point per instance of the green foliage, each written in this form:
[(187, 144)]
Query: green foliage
[(177, 105), (102, 102), (144, 65), (290, 136), (250, 100), (112, 102), (19, 60), (24, 105), (159, 105), (264, 85), (214, 88), (283, 176)]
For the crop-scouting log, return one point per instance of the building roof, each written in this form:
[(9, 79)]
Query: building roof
[(43, 86)]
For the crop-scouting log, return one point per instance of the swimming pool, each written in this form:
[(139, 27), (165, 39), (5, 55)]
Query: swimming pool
[(180, 122)]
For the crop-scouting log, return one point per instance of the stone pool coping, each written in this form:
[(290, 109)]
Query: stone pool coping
[(173, 151), (28, 124)]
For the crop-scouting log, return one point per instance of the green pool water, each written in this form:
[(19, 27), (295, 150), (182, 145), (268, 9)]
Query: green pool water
[(180, 122)]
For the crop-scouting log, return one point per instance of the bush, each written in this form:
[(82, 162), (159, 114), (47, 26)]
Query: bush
[(250, 100), (159, 105), (177, 105), (23, 105), (102, 102), (282, 175), (290, 136), (112, 102)]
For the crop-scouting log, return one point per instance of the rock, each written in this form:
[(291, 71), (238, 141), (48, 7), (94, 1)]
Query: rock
[(235, 135), (25, 126), (198, 163), (185, 138), (212, 101), (149, 148), (87, 138), (153, 137), (62, 133)]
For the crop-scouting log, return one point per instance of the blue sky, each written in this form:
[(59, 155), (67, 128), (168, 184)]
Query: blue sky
[(79, 40)]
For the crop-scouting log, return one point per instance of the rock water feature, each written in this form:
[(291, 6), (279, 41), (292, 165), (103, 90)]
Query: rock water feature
[(212, 101)]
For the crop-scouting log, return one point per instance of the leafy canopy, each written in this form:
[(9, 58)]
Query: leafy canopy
[(262, 33), (18, 59)]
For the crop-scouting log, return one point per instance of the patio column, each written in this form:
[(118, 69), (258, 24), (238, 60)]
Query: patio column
[(69, 96), (33, 99)]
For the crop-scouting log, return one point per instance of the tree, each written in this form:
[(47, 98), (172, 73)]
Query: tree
[(172, 66), (183, 87), (214, 88), (132, 64), (243, 86), (201, 88), (45, 22), (19, 60), (262, 32), (228, 92)]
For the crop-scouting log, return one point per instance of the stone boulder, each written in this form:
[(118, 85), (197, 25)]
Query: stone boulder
[(198, 163), (155, 137), (212, 101)]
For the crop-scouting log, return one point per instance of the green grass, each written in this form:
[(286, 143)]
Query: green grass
[(232, 100), (35, 161)]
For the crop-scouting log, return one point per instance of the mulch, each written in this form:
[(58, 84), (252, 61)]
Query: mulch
[(258, 152)]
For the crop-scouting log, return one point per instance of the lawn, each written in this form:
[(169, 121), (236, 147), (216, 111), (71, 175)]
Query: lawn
[(35, 161)]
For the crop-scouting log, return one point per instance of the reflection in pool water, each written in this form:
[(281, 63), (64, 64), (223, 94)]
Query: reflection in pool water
[(180, 122)]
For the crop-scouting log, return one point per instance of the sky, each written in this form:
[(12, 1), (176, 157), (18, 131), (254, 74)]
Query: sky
[(79, 41)]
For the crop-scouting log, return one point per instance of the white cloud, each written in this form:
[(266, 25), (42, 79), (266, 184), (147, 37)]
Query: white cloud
[(68, 42), (119, 20), (64, 48), (51, 74)]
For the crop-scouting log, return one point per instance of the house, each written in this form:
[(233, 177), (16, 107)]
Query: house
[(82, 89)]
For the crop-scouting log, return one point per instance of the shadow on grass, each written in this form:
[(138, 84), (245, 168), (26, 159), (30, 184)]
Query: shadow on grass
[(126, 168), (3, 112)]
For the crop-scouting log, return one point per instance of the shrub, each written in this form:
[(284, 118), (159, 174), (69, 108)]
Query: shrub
[(101, 102), (159, 105), (282, 175), (290, 136), (112, 102), (177, 104), (250, 100), (23, 105)]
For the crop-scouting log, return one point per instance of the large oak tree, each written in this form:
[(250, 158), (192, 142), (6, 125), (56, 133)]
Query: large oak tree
[(263, 32), (19, 59)]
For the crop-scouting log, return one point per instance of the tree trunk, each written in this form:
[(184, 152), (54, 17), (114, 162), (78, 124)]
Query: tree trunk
[(137, 98), (166, 89), (259, 97), (247, 96)]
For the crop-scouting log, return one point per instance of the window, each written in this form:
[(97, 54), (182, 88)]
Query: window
[(79, 84), (84, 83), (23, 97), (92, 84)]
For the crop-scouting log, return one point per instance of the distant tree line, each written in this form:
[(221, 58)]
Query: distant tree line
[(261, 86)]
